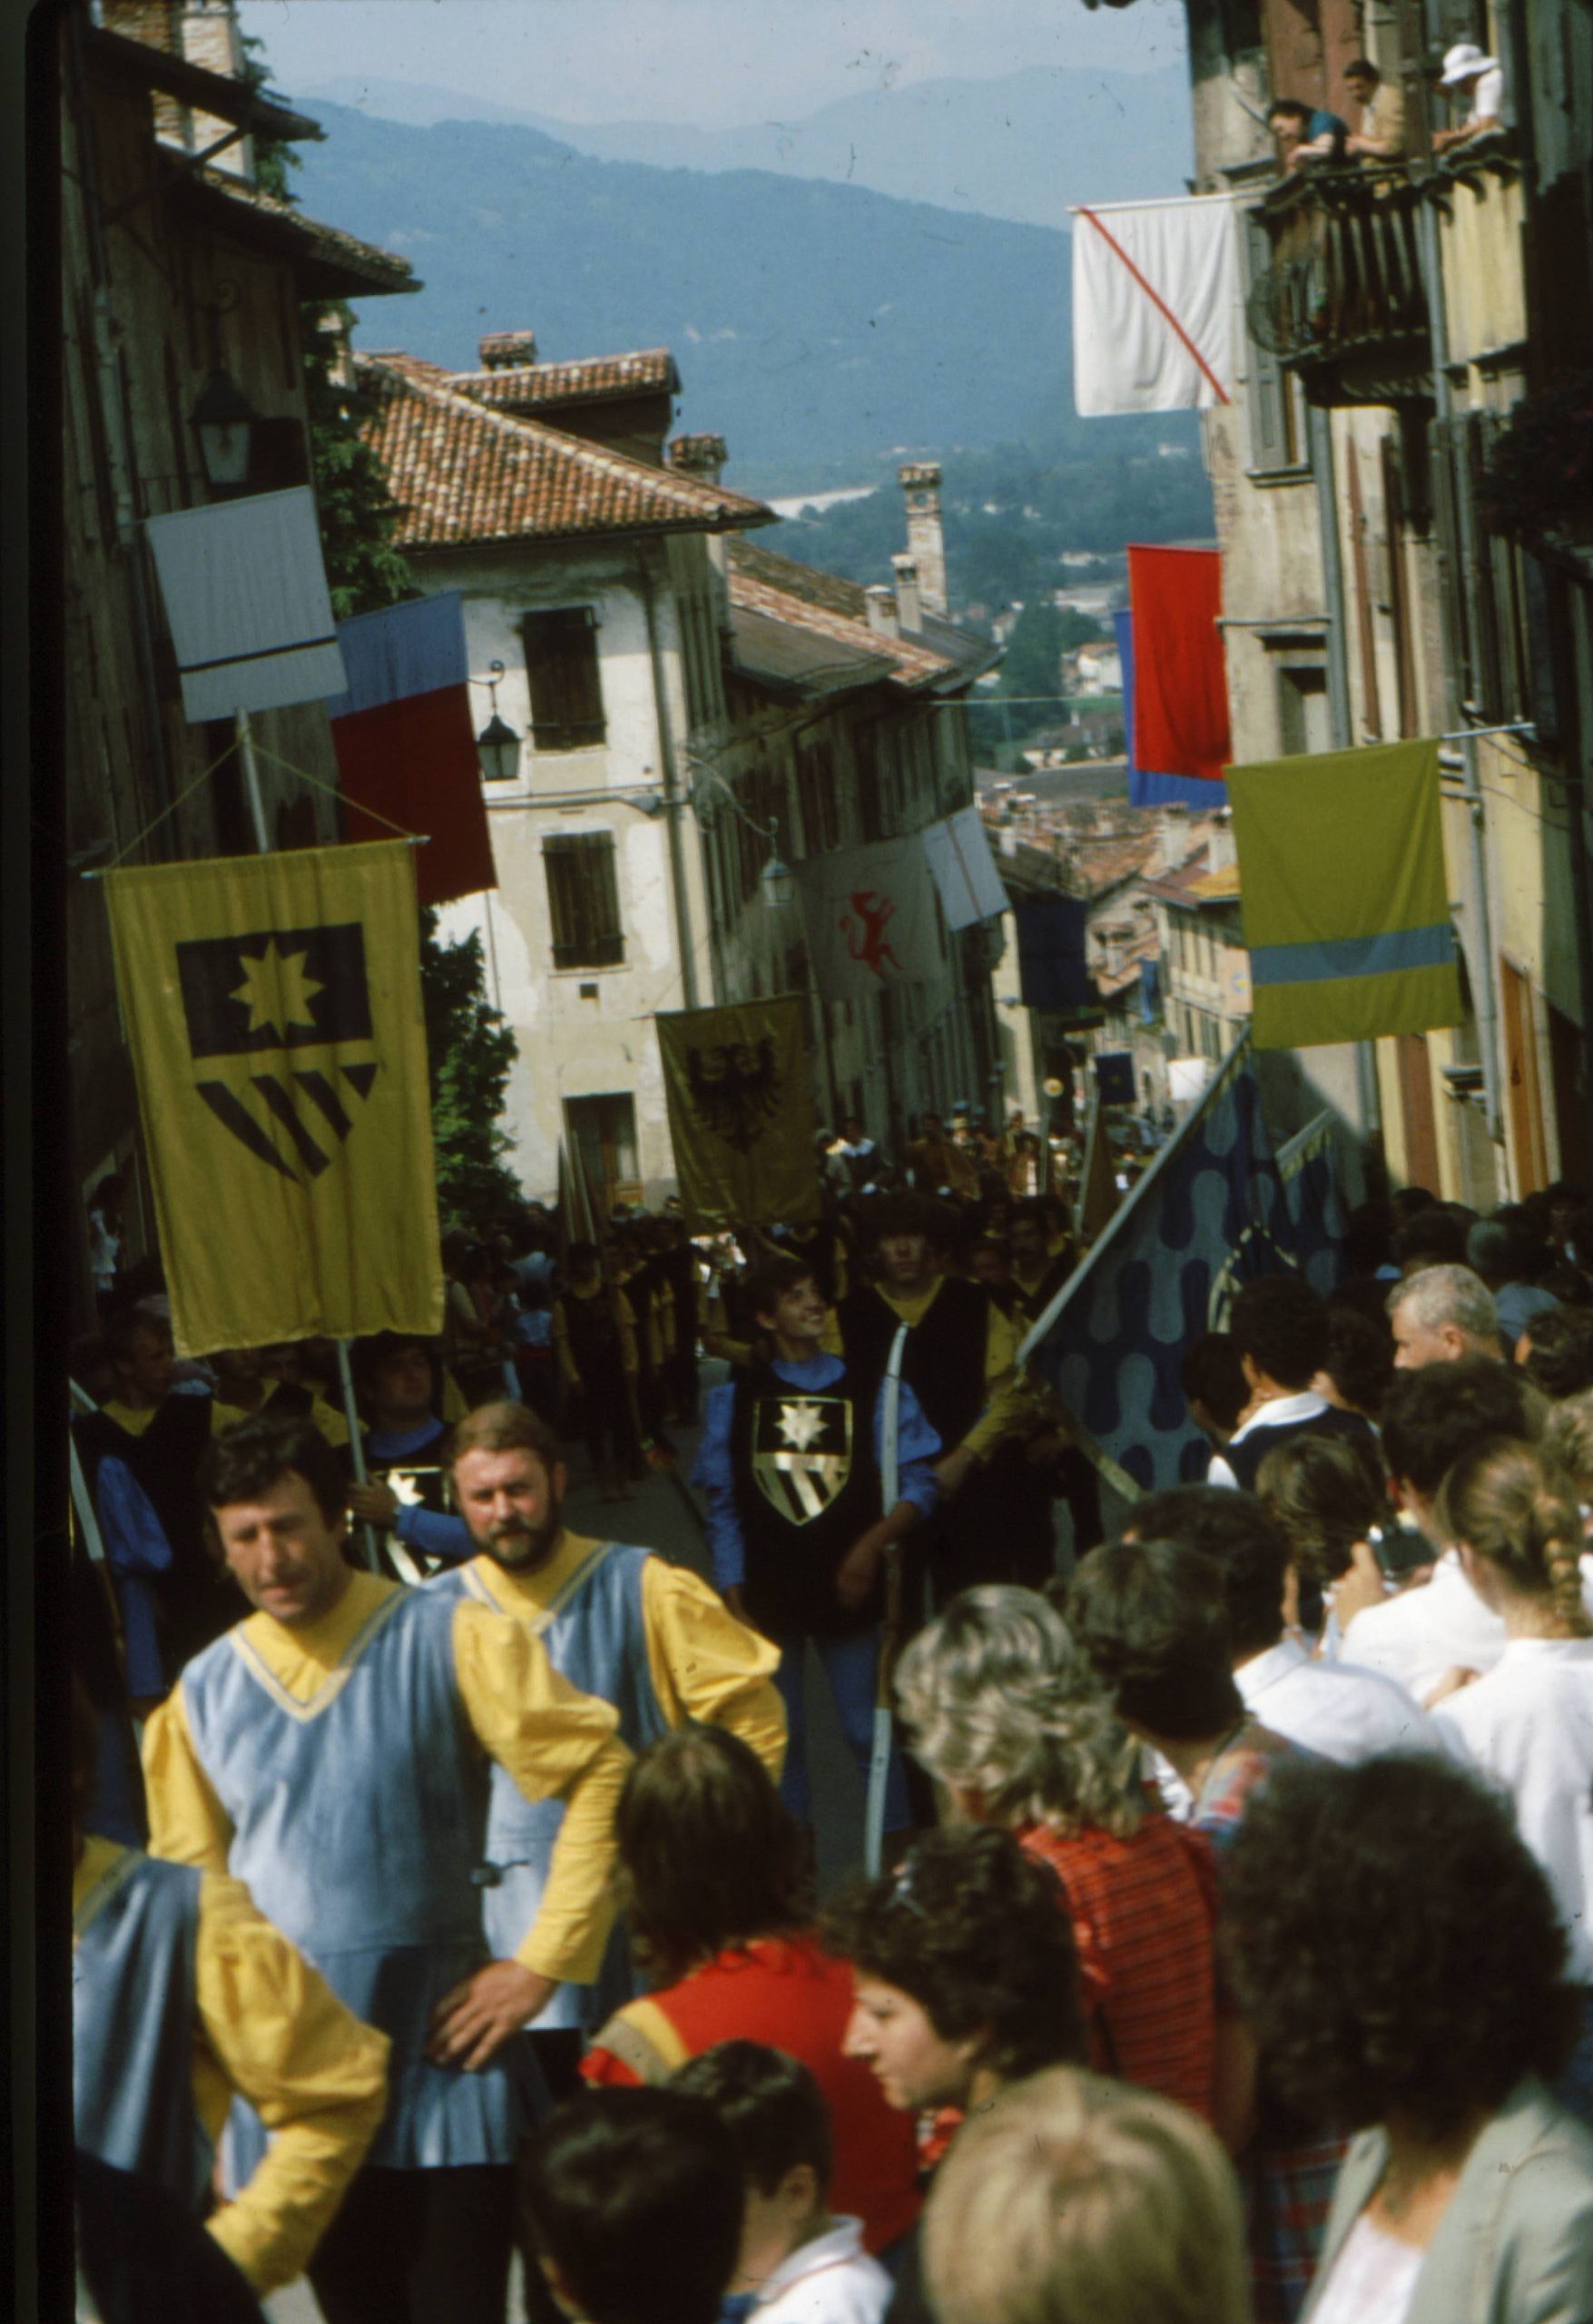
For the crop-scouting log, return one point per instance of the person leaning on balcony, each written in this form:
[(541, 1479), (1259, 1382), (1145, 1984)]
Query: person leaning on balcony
[(1381, 134), (1306, 135), (1465, 68)]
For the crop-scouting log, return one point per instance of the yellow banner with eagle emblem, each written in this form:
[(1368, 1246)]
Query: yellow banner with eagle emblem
[(272, 1007), (740, 1113)]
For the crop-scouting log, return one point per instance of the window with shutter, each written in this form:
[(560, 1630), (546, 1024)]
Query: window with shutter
[(1273, 434), (561, 666), (583, 900)]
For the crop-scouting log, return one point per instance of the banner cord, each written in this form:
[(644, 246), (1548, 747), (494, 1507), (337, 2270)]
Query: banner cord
[(415, 838), (98, 870)]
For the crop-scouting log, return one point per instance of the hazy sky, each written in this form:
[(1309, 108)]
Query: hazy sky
[(717, 64)]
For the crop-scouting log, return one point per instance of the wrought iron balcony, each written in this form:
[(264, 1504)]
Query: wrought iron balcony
[(1342, 302)]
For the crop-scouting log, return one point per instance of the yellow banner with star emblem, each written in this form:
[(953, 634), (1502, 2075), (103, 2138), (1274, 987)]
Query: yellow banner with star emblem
[(740, 1113), (272, 1007)]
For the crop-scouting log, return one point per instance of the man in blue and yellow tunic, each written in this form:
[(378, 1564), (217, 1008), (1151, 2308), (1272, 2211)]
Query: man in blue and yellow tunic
[(644, 1635), (182, 1996), (332, 1752)]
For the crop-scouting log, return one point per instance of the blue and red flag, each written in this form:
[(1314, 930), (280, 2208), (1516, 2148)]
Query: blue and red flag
[(405, 742)]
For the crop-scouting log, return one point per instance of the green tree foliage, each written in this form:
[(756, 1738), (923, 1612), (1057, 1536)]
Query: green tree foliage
[(471, 1050), (273, 159), (358, 515)]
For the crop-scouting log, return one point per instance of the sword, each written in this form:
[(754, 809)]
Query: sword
[(890, 1628)]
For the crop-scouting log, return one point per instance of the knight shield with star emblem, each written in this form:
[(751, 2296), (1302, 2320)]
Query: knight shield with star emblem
[(801, 1452), (273, 1006), (807, 1485)]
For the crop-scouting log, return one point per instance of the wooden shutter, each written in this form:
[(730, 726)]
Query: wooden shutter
[(561, 666), (583, 900)]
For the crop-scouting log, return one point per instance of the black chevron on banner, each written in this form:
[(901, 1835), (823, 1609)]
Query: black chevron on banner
[(277, 1097), (233, 1114)]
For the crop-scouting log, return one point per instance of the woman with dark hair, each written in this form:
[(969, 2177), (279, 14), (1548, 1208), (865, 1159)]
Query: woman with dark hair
[(711, 1879), (1328, 1497), (1401, 1960), (966, 1980)]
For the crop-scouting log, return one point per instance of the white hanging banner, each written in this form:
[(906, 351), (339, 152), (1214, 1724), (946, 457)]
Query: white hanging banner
[(871, 918), (246, 596), (965, 870), (1156, 300)]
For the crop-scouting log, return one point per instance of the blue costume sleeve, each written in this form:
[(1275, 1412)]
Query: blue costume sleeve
[(918, 1448), (434, 1533), (713, 1475), (135, 1539)]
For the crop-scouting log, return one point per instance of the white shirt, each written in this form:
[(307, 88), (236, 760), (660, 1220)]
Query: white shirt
[(1417, 1636), (1529, 1724), (831, 2280), (1306, 1405), (1487, 96), (1344, 1712), (1373, 2278)]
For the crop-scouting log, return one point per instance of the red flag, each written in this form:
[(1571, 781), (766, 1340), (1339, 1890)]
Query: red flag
[(405, 742), (1180, 684)]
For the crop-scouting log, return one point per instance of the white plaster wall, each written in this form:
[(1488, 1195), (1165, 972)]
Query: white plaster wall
[(601, 1042)]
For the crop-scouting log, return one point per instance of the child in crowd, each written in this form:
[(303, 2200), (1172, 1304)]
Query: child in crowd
[(633, 2200), (798, 2261)]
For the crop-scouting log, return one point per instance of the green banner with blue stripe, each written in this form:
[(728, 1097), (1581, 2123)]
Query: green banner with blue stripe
[(1344, 896)]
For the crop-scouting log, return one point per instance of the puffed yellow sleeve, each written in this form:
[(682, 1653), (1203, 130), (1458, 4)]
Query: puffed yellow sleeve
[(332, 1423), (625, 1317), (188, 1823), (1003, 1388), (271, 2028), (561, 1340), (557, 1744), (707, 1666)]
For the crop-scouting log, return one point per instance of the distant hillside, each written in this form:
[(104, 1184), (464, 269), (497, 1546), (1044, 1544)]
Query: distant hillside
[(812, 322), (1024, 146)]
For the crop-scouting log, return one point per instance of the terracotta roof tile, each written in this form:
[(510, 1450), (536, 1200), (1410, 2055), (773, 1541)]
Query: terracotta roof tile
[(539, 387), (465, 476), (908, 664), (962, 651)]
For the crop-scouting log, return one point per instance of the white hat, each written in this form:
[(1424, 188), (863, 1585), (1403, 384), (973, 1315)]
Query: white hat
[(1464, 62)]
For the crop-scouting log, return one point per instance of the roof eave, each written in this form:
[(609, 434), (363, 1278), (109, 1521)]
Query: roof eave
[(363, 271), (197, 86)]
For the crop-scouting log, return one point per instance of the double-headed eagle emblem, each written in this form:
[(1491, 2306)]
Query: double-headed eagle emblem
[(736, 1088)]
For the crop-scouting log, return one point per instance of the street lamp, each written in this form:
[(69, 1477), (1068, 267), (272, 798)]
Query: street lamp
[(223, 418), (777, 881), (497, 743)]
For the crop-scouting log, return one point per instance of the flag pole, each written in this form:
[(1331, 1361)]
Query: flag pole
[(357, 1450), (245, 735)]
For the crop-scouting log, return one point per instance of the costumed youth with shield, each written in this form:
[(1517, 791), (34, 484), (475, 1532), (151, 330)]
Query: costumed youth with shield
[(792, 1460)]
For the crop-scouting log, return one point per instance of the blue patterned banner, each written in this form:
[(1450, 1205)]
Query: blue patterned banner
[(1209, 1214)]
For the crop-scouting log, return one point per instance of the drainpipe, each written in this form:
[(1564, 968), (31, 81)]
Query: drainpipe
[(1319, 438), (1482, 982), (1335, 639), (674, 803)]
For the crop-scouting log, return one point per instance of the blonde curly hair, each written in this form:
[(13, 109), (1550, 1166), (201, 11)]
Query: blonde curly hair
[(1002, 1702)]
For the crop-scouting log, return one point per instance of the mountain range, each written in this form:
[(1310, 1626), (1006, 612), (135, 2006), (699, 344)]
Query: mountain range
[(1024, 146), (822, 327)]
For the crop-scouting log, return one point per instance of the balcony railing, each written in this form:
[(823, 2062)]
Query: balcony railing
[(1342, 301)]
